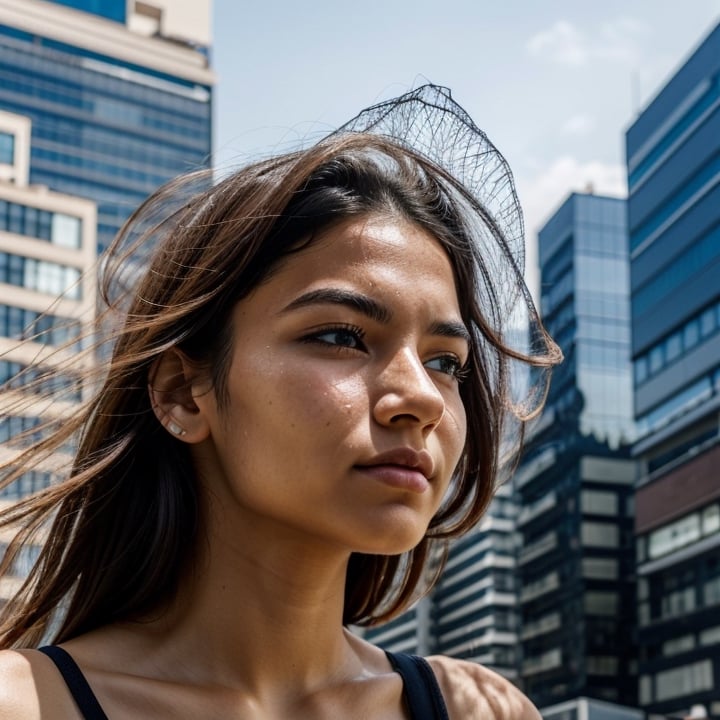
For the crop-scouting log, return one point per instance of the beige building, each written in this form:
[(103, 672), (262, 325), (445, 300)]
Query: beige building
[(47, 289)]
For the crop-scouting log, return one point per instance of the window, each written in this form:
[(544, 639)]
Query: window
[(539, 587), (675, 405), (13, 425), (673, 347), (685, 680), (691, 334), (20, 323), (540, 663), (600, 568), (682, 532), (678, 602), (26, 484), (679, 645), (7, 148), (599, 502), (603, 535), (602, 665), (711, 520), (694, 258), (645, 689), (657, 359), (711, 592), (65, 231), (40, 380), (40, 275), (707, 322), (57, 228), (711, 636), (601, 603)]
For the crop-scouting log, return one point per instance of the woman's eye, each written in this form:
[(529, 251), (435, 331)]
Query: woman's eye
[(447, 364), (347, 337)]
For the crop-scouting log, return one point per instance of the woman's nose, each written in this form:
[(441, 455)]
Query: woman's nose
[(405, 392)]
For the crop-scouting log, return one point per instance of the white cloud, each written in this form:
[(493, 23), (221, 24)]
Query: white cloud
[(542, 194), (579, 124), (618, 40), (562, 43)]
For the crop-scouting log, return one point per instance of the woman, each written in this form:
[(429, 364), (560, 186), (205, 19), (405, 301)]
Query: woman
[(306, 399)]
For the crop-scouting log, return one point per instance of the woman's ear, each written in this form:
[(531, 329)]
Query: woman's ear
[(173, 383)]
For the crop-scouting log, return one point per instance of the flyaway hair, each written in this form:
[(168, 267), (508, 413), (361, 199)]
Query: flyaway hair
[(119, 530), (428, 121)]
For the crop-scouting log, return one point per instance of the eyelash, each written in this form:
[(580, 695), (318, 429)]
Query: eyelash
[(460, 372), (356, 332)]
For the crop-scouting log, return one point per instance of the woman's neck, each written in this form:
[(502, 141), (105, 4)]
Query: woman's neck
[(261, 610)]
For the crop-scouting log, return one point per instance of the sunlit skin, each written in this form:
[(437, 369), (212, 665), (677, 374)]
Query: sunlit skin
[(349, 352), (342, 428)]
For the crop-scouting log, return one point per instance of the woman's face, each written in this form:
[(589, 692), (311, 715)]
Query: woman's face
[(344, 421)]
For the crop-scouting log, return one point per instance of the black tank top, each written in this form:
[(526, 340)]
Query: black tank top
[(420, 688)]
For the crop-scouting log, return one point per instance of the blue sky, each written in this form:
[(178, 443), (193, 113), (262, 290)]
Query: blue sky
[(554, 84)]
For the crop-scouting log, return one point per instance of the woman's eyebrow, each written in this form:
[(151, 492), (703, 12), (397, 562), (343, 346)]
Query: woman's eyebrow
[(337, 296), (451, 329), (372, 309)]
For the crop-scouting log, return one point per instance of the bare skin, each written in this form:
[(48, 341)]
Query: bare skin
[(256, 632)]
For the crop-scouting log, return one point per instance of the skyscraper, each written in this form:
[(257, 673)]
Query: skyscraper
[(673, 157), (575, 479), (118, 92)]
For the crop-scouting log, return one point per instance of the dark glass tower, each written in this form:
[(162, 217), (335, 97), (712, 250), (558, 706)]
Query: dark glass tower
[(575, 480), (673, 156)]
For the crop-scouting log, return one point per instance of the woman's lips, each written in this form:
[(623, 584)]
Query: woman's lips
[(397, 476), (402, 468)]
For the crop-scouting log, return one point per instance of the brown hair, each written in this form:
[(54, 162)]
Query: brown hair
[(124, 523)]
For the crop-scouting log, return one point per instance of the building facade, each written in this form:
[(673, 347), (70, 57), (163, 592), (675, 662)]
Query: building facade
[(471, 614), (575, 481), (119, 94), (673, 158), (47, 301)]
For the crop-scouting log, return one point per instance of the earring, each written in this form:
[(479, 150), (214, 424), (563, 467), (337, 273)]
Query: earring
[(175, 429)]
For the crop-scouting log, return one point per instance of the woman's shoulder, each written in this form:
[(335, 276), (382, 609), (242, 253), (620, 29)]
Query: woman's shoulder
[(471, 690), (31, 688), (18, 690)]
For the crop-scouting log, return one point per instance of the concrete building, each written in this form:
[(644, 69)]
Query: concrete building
[(119, 94), (47, 295), (673, 158), (472, 612), (575, 480), (583, 708)]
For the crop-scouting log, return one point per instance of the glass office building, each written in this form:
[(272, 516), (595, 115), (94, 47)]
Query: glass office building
[(673, 158), (471, 614), (119, 94), (575, 480)]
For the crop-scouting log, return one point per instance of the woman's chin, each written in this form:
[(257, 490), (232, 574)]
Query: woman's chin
[(396, 545)]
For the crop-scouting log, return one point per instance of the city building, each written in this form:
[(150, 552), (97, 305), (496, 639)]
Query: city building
[(47, 297), (472, 612), (588, 709), (119, 94), (673, 161), (575, 479)]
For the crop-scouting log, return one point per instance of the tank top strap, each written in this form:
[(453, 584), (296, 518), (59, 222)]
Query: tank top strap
[(421, 690), (77, 684)]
